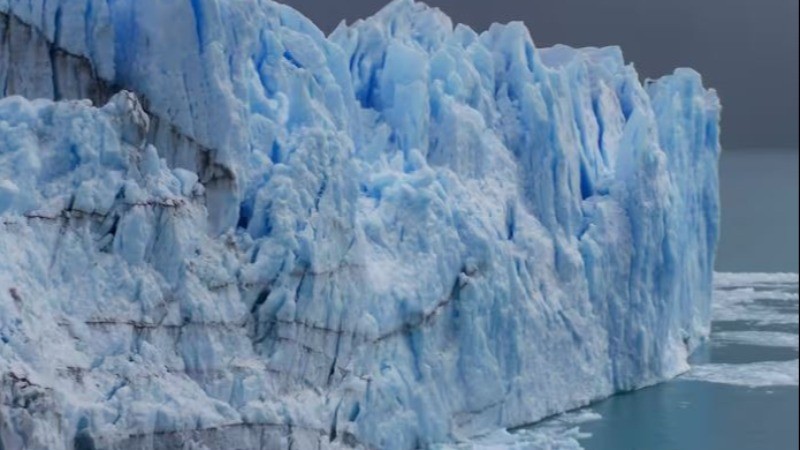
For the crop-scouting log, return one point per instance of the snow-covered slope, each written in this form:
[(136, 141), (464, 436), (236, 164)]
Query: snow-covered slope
[(402, 234)]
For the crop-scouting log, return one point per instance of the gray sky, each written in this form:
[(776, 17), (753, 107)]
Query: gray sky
[(746, 49)]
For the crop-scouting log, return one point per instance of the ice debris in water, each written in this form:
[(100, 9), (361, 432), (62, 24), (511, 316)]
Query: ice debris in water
[(558, 433), (758, 301), (756, 374), (760, 298), (758, 337), (736, 279)]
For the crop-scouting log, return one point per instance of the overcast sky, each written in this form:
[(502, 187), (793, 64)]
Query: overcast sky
[(746, 49)]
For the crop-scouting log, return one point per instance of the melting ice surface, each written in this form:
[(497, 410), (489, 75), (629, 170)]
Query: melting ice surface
[(219, 226)]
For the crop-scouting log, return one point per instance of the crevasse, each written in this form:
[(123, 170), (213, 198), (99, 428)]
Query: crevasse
[(404, 233)]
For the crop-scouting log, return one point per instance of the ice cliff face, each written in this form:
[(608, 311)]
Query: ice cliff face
[(402, 234)]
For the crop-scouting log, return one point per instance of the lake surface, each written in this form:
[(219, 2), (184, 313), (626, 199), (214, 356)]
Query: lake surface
[(742, 391), (759, 194)]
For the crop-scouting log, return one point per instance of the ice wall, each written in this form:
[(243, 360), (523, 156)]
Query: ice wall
[(401, 234)]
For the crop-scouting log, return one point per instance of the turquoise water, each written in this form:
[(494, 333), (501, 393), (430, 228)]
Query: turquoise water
[(696, 415)]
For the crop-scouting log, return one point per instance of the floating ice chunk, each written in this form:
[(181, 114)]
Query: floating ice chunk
[(578, 417), (747, 303), (558, 433), (757, 374), (550, 439), (760, 338), (736, 279)]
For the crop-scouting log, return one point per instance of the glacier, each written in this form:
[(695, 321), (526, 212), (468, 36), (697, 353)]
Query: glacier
[(221, 228)]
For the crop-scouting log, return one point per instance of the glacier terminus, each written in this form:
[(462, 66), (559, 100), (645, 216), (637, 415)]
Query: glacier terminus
[(220, 228)]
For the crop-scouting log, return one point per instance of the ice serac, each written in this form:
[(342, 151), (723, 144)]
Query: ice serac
[(401, 234)]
